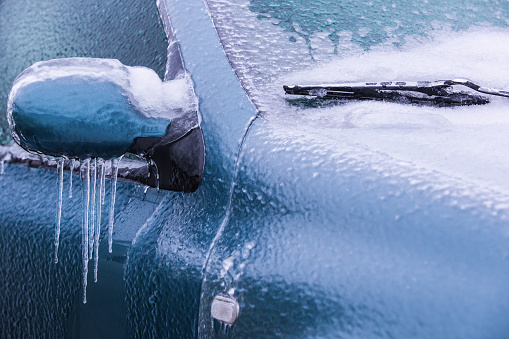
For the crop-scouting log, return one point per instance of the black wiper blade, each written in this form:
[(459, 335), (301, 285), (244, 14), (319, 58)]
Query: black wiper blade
[(368, 88), (436, 92)]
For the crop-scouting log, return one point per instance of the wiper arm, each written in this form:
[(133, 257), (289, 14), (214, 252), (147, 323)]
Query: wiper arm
[(438, 92), (477, 88)]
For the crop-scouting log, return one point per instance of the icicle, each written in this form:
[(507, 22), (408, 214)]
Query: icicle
[(114, 173), (152, 163), (103, 188), (86, 204), (98, 221), (2, 167), (60, 171), (91, 228), (73, 161), (157, 176)]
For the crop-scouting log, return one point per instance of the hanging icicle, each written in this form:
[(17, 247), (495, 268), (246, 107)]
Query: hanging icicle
[(85, 167), (103, 176), (98, 221), (157, 175), (71, 169), (91, 228), (60, 181), (114, 173)]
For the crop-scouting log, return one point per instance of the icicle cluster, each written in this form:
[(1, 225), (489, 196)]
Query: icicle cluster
[(93, 173)]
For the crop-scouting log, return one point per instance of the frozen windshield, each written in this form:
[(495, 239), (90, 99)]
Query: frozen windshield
[(271, 43), (348, 40)]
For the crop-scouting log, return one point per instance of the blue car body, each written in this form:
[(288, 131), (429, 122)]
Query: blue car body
[(312, 231)]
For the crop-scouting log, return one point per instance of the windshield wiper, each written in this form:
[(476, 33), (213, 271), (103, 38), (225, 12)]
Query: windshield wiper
[(432, 92)]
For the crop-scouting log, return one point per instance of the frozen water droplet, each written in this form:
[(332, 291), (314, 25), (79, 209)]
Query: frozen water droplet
[(114, 173), (60, 171)]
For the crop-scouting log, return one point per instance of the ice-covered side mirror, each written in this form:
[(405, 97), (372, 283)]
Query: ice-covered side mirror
[(82, 108)]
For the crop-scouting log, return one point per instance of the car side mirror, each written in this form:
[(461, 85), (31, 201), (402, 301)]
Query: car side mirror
[(82, 108)]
